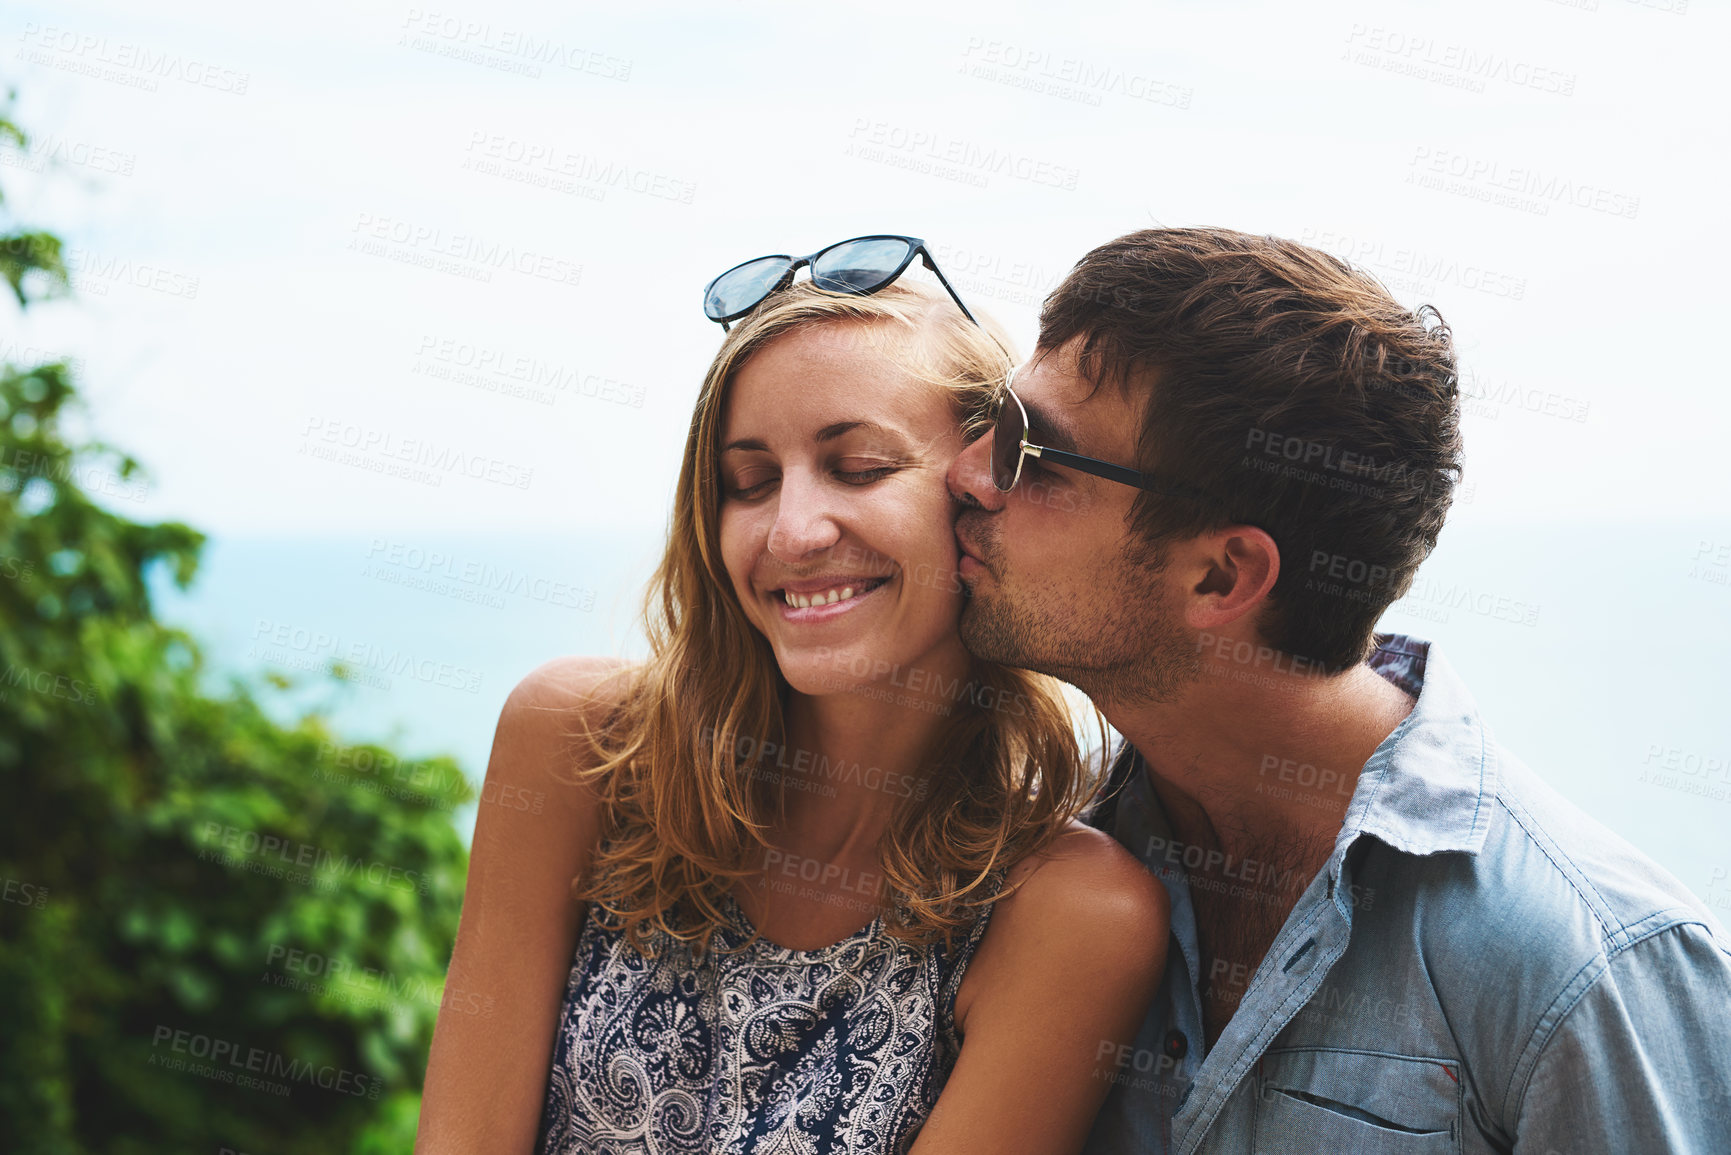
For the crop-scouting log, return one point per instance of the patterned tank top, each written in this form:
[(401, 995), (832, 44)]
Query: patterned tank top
[(766, 1049)]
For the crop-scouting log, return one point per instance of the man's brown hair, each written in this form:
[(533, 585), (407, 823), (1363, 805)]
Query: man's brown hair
[(1296, 393)]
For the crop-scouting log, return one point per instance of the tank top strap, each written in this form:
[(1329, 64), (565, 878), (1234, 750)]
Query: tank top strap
[(956, 959)]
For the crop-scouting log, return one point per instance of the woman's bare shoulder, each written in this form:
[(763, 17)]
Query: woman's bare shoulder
[(535, 829), (1083, 934), (1086, 878), (577, 682), (544, 717)]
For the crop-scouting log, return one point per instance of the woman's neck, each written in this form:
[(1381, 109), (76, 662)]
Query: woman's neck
[(852, 757)]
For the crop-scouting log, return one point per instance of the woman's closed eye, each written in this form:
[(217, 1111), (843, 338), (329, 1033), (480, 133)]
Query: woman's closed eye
[(755, 484), (866, 474), (745, 491)]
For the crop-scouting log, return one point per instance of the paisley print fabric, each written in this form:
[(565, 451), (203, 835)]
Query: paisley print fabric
[(762, 1049)]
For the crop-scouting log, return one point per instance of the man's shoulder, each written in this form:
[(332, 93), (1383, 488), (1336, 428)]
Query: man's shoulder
[(1550, 882), (1507, 940), (1620, 890), (1549, 901)]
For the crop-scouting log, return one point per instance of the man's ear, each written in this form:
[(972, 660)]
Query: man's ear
[(1236, 567)]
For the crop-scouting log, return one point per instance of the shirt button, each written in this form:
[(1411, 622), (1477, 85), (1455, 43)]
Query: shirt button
[(1175, 1045)]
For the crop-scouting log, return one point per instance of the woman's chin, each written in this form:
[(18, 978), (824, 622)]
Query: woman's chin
[(817, 675)]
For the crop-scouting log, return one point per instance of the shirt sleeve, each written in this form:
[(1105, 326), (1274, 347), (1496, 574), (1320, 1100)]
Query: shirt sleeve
[(1638, 1063)]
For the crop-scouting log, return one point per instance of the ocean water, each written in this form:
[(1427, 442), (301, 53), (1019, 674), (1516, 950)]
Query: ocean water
[(1598, 654)]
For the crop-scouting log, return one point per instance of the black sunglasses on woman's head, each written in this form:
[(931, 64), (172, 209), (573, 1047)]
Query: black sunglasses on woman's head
[(861, 265)]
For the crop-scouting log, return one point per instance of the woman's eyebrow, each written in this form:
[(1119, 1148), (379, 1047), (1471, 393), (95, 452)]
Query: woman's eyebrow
[(827, 433), (831, 432)]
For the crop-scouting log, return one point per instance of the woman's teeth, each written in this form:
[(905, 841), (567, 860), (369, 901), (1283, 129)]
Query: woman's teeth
[(802, 601)]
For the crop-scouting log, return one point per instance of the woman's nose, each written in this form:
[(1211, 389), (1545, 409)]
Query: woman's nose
[(804, 521)]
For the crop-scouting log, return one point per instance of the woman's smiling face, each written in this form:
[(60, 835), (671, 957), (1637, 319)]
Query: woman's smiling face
[(836, 524)]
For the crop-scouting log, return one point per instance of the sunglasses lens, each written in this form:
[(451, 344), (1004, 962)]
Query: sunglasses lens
[(859, 266), (1007, 442), (739, 289)]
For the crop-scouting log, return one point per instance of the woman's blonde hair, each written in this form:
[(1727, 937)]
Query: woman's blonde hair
[(685, 810)]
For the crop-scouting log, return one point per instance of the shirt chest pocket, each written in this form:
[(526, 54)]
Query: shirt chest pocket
[(1344, 1102)]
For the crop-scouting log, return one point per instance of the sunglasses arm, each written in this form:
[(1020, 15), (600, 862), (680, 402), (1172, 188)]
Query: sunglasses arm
[(926, 259), (1112, 472)]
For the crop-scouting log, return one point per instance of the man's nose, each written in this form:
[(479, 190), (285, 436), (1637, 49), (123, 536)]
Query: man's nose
[(970, 477), (804, 522)]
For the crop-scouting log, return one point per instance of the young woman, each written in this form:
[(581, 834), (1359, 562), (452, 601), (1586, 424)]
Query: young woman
[(815, 865)]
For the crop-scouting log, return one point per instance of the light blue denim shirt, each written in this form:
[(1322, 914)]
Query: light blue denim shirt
[(1479, 967)]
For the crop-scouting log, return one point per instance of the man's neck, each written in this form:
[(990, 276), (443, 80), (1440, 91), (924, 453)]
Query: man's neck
[(1239, 765), (1255, 781)]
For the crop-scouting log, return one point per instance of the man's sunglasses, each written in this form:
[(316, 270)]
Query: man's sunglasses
[(861, 265), (1010, 446)]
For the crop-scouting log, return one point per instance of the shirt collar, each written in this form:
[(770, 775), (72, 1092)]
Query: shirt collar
[(1427, 788)]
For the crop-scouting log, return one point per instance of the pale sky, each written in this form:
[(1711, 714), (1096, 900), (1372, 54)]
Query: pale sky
[(255, 195)]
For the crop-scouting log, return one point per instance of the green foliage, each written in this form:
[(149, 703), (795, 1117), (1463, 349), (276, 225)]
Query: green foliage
[(163, 849)]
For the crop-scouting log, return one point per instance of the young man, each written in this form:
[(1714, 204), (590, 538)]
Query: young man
[(1389, 935)]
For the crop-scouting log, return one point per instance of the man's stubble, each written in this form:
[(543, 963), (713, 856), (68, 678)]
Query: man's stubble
[(1113, 639)]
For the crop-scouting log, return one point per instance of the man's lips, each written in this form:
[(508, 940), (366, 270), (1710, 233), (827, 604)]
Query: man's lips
[(968, 551)]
